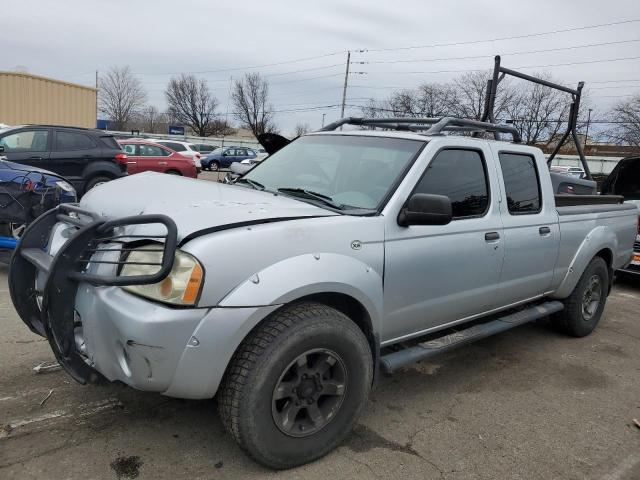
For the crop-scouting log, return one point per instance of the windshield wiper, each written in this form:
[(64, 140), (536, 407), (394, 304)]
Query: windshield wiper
[(309, 194), (253, 183)]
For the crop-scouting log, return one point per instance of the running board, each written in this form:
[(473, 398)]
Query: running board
[(394, 360)]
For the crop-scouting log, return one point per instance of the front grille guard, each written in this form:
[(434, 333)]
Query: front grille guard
[(51, 313)]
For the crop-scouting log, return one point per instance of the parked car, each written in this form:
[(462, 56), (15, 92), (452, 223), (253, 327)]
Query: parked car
[(183, 148), (143, 155), (204, 149), (224, 156), (361, 250), (577, 172), (25, 193), (84, 157), (624, 180)]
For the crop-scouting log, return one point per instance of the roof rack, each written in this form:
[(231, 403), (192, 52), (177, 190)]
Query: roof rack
[(431, 126), (490, 100)]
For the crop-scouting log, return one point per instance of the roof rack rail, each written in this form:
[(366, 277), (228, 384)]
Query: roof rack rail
[(490, 100), (433, 126)]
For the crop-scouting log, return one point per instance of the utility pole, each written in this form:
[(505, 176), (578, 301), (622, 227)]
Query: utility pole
[(346, 80), (96, 98), (323, 115), (586, 135)]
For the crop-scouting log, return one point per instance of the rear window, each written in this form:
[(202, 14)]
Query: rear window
[(521, 183), (110, 142), (177, 147)]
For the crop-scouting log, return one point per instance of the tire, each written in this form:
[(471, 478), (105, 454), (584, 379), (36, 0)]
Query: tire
[(214, 166), (96, 181), (254, 411), (582, 311)]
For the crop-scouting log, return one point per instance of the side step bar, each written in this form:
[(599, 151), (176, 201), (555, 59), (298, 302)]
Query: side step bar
[(394, 360)]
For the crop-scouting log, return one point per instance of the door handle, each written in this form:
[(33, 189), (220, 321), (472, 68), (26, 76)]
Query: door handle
[(544, 230), (491, 236)]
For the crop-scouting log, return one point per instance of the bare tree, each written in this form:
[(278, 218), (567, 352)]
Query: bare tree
[(191, 103), (250, 97), (301, 129), (121, 96), (150, 119), (428, 100), (471, 90), (222, 127), (625, 118), (538, 112)]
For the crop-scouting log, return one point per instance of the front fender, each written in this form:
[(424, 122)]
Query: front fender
[(598, 239), (310, 274)]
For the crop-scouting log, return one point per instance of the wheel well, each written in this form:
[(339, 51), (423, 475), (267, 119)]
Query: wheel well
[(607, 256), (173, 171), (353, 309)]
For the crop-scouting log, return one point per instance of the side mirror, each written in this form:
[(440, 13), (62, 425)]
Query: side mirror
[(1, 148), (426, 209)]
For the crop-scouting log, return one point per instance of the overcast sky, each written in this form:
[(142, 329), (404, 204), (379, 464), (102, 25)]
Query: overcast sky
[(71, 39)]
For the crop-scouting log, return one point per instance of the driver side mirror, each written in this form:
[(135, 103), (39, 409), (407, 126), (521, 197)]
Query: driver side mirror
[(426, 209)]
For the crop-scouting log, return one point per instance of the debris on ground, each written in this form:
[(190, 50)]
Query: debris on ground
[(45, 367), (44, 400), (5, 430), (636, 422)]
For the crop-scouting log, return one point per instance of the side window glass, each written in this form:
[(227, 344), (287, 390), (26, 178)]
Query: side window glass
[(461, 176), (26, 141), (72, 141), (521, 183), (129, 149), (150, 151)]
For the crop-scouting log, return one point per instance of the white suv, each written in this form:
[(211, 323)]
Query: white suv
[(183, 148)]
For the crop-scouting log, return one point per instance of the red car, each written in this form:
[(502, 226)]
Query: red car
[(143, 156)]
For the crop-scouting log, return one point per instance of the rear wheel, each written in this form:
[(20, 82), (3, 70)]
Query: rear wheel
[(296, 385), (584, 307), (95, 181)]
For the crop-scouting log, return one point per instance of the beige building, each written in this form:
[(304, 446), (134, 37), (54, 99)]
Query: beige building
[(31, 99)]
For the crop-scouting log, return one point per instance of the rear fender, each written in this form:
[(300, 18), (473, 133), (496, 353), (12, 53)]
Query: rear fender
[(102, 168), (598, 239)]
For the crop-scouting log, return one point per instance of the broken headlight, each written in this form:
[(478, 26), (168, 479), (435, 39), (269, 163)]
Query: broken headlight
[(180, 287)]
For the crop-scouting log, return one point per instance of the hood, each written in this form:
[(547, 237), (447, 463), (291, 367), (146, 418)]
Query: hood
[(7, 165), (196, 206)]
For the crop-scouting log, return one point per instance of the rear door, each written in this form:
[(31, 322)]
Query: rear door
[(29, 146), (530, 220), (72, 151), (440, 274), (153, 158), (229, 156)]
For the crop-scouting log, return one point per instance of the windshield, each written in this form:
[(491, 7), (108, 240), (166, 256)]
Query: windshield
[(217, 151), (353, 171)]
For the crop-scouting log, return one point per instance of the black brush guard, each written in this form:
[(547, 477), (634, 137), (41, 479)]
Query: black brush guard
[(51, 312)]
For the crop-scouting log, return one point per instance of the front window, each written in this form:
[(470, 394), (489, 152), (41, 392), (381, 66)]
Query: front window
[(353, 172), (25, 141)]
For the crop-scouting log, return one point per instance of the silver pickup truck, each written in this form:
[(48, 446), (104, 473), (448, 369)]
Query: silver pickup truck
[(344, 253)]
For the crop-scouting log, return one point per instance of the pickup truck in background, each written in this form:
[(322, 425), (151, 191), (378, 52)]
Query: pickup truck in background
[(362, 251), (625, 180)]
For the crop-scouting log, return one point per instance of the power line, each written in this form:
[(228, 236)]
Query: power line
[(497, 39), (521, 67), (470, 57), (248, 67)]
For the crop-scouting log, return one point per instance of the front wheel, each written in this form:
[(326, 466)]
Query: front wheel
[(584, 307), (296, 385), (214, 166)]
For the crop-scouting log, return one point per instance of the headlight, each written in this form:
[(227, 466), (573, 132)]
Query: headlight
[(66, 186), (182, 285)]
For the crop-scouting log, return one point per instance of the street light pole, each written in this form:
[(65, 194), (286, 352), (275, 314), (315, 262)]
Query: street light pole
[(586, 135)]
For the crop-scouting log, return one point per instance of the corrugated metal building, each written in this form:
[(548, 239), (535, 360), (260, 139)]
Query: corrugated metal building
[(31, 99)]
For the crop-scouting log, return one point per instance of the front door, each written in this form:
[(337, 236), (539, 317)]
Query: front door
[(437, 275), (531, 231), (28, 146)]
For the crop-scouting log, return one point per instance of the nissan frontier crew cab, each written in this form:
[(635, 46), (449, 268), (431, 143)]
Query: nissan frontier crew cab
[(342, 254)]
